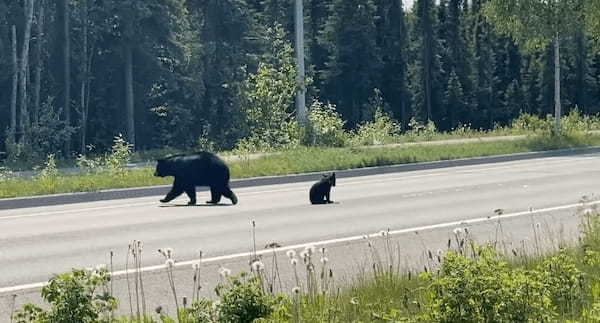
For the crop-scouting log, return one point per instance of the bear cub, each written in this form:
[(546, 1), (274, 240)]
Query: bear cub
[(198, 169), (321, 190)]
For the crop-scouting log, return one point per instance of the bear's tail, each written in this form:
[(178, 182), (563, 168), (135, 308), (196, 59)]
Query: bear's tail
[(230, 195)]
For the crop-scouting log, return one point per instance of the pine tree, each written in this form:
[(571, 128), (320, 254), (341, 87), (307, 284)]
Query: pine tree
[(424, 84), (393, 42), (354, 64)]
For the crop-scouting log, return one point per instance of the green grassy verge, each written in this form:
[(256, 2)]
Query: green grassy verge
[(297, 161)]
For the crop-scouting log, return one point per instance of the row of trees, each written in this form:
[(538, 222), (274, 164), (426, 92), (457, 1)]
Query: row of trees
[(166, 72)]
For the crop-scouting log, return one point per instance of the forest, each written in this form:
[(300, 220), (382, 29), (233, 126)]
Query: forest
[(171, 73)]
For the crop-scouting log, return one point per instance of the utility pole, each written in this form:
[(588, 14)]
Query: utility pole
[(301, 93)]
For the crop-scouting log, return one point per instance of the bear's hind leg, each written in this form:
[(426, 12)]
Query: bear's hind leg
[(191, 193), (215, 196), (230, 195)]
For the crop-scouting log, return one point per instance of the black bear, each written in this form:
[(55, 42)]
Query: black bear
[(320, 191), (198, 169)]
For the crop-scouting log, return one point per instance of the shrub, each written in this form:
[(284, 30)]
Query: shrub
[(243, 300), (78, 296), (326, 127), (49, 174), (383, 129), (418, 130), (485, 289)]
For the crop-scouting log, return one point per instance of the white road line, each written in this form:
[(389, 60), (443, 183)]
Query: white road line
[(13, 289)]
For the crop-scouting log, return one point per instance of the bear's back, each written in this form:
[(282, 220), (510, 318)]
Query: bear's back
[(200, 168)]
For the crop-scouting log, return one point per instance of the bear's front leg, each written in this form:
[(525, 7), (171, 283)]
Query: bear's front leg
[(327, 200), (175, 191)]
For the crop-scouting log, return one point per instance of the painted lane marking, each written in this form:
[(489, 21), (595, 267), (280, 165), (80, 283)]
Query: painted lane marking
[(12, 289)]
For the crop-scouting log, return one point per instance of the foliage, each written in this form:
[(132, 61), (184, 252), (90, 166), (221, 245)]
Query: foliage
[(269, 95), (326, 127), (49, 174), (77, 296), (419, 130), (114, 162), (243, 299), (382, 130)]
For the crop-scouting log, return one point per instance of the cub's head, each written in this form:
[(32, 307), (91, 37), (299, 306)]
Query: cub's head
[(330, 178), (162, 168)]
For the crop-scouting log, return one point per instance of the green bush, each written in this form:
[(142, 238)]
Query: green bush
[(326, 127), (78, 296), (243, 299), (485, 289), (382, 130), (419, 131)]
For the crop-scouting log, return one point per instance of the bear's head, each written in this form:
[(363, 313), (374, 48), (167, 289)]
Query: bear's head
[(162, 168), (330, 178)]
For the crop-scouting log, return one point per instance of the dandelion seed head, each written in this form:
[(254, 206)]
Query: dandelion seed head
[(196, 265), (291, 253), (457, 231), (466, 230), (324, 260), (169, 252), (294, 261), (224, 272), (257, 266), (296, 290), (311, 249), (440, 252)]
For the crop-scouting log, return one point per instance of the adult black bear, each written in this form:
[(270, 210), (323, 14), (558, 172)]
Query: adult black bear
[(320, 191), (198, 169)]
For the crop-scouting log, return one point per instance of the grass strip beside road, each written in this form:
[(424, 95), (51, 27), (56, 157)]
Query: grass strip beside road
[(299, 160)]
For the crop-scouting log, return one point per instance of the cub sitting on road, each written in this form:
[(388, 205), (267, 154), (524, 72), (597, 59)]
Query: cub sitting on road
[(198, 169), (320, 191)]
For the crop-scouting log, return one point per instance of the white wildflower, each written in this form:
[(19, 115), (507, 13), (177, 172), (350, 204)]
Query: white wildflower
[(294, 261), (311, 249), (324, 260), (169, 262), (291, 253), (296, 290), (224, 272), (257, 266), (457, 231)]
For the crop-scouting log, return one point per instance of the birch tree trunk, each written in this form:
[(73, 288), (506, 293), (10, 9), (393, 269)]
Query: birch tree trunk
[(13, 98), (67, 71), (557, 107), (39, 59), (84, 76), (24, 116), (129, 95)]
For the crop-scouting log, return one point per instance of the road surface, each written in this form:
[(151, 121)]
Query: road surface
[(38, 242)]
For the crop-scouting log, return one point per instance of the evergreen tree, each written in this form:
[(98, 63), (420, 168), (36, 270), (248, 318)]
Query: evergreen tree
[(424, 84), (354, 64), (393, 42)]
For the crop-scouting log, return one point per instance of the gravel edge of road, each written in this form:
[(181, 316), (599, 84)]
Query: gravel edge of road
[(115, 194)]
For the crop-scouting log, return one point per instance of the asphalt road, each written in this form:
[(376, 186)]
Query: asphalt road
[(37, 242)]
